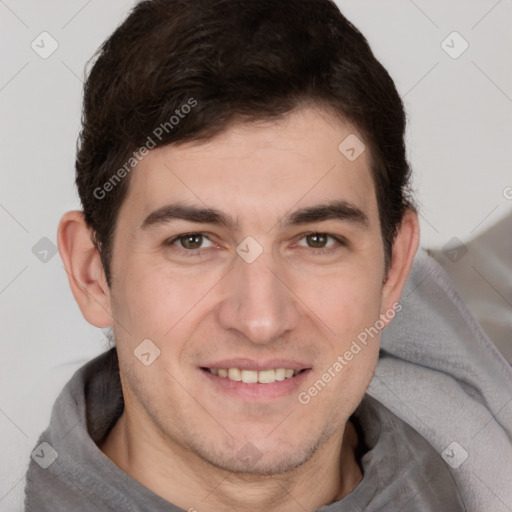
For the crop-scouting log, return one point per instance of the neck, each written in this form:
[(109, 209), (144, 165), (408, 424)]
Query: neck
[(154, 461)]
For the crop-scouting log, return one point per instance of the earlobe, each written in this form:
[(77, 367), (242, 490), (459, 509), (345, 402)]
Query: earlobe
[(404, 249), (84, 269)]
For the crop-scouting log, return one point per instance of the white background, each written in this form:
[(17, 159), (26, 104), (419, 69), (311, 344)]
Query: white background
[(460, 147)]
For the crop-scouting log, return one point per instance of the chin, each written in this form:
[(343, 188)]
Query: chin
[(262, 458), (258, 463)]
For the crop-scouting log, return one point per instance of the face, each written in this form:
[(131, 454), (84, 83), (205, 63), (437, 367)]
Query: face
[(257, 253)]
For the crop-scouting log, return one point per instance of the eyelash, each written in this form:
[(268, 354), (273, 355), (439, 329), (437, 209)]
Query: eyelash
[(340, 242)]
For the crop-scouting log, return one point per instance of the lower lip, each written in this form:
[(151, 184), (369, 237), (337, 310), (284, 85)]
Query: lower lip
[(256, 391)]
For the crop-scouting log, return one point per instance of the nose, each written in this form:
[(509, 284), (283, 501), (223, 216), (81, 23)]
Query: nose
[(257, 300)]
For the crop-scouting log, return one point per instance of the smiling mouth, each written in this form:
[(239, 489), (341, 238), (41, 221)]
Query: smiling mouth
[(254, 376)]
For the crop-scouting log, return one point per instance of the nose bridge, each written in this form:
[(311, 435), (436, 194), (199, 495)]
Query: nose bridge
[(257, 303)]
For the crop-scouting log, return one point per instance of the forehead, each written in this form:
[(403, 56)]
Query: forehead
[(259, 169)]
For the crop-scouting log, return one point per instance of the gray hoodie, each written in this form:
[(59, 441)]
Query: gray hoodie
[(69, 473)]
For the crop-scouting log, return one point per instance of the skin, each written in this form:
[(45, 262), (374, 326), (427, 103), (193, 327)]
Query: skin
[(199, 306)]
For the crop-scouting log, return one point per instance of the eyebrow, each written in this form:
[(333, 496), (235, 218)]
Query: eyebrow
[(333, 210), (178, 211)]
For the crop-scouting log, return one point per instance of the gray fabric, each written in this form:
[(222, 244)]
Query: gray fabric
[(440, 373), (401, 470), (400, 467)]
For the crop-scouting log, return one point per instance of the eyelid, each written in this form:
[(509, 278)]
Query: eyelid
[(173, 240), (340, 242), (327, 235)]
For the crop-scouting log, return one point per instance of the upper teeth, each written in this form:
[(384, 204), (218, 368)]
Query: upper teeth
[(253, 376)]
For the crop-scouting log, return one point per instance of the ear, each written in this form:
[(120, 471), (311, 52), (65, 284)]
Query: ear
[(404, 249), (85, 271)]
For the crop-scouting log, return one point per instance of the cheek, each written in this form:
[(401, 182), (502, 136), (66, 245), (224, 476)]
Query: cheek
[(346, 301), (165, 306), (349, 309)]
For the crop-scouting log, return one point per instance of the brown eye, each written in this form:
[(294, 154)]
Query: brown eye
[(321, 241), (190, 241), (316, 240)]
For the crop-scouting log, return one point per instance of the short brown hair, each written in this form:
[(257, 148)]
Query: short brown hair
[(238, 60)]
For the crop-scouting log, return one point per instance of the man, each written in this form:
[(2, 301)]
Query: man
[(246, 218)]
